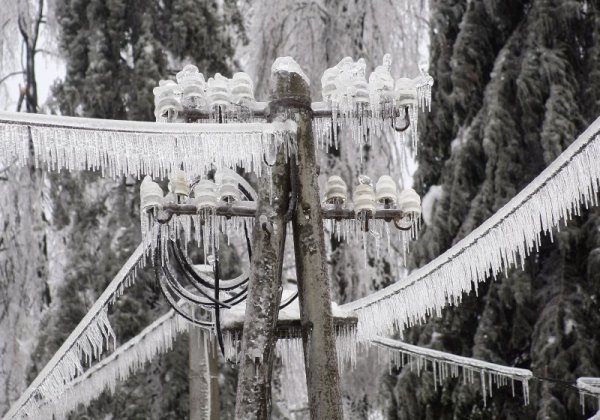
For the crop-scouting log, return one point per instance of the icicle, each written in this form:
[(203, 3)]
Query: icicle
[(444, 363), (134, 148), (499, 243)]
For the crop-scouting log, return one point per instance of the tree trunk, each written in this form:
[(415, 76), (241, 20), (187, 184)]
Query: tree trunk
[(264, 289), (318, 334)]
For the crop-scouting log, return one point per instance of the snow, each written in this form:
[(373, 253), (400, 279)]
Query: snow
[(503, 241), (136, 148), (446, 364), (429, 201)]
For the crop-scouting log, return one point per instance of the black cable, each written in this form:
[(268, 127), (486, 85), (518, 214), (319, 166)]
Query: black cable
[(217, 309)]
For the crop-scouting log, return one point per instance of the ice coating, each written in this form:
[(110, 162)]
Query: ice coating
[(447, 365), (289, 65), (366, 109), (119, 148), (569, 184)]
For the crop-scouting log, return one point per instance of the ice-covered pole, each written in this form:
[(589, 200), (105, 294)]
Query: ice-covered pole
[(264, 288), (318, 334)]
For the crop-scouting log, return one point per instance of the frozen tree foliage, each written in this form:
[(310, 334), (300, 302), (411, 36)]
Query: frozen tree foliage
[(155, 339), (86, 343), (120, 148), (445, 365), (559, 193)]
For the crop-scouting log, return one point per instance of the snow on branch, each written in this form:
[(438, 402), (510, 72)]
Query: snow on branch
[(134, 148), (501, 242), (590, 387), (447, 364), (129, 358), (92, 336)]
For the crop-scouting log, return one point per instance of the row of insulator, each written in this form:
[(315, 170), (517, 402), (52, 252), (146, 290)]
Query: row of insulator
[(204, 194), (192, 92), (348, 79), (366, 198)]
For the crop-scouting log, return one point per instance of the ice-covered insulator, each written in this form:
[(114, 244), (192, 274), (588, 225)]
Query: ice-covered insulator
[(193, 87), (151, 195), (218, 91), (166, 100), (359, 82), (405, 92), (336, 191), (409, 202), (242, 88), (178, 183), (386, 191), (364, 199), (229, 190), (381, 81), (205, 194), (328, 85)]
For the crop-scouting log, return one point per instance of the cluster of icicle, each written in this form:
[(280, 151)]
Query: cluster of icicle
[(204, 229), (92, 337), (129, 358), (501, 242), (352, 231), (590, 387), (289, 348), (446, 365), (368, 108), (219, 98), (119, 148)]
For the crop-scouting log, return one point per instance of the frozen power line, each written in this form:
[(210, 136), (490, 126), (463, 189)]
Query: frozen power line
[(88, 340), (134, 148), (505, 239)]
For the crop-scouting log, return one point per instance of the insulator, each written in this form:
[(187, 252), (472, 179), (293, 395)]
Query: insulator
[(166, 99), (205, 194), (387, 192), (381, 79), (193, 87), (364, 199), (410, 202), (218, 90), (405, 92), (229, 190), (178, 183), (242, 88), (151, 195), (328, 85), (336, 191)]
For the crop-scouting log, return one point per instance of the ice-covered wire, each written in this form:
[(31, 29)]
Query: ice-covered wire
[(504, 240)]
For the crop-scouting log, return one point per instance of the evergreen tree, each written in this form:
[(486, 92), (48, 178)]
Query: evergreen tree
[(516, 82)]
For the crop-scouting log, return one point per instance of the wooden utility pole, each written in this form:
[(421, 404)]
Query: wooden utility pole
[(290, 98), (318, 334), (253, 400)]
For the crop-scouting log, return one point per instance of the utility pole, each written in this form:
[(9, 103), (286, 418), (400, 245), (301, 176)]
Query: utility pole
[(290, 98), (253, 400), (203, 375), (318, 334)]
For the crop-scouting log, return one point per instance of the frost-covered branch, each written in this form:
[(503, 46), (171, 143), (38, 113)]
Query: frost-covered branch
[(504, 240)]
